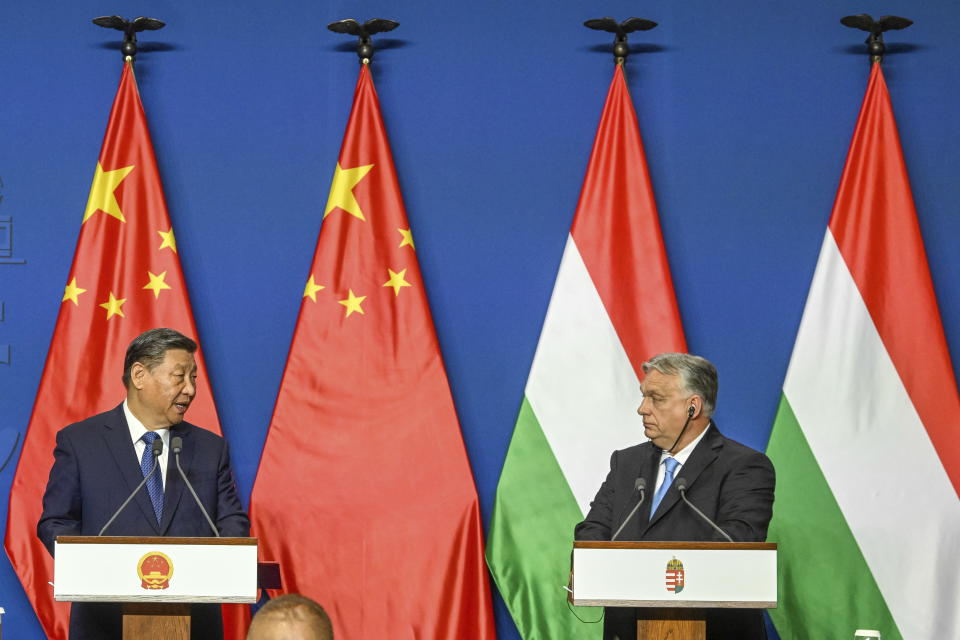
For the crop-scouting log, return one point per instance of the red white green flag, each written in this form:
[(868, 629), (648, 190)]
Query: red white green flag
[(867, 438), (612, 308)]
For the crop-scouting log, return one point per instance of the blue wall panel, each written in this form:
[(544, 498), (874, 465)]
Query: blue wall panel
[(746, 108)]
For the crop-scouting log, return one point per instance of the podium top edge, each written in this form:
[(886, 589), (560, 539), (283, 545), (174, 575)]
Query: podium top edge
[(711, 546), (155, 540)]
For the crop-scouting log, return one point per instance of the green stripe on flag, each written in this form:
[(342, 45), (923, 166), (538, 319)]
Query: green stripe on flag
[(826, 589), (530, 562)]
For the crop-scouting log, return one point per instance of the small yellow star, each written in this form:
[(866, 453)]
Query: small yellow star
[(407, 239), (72, 292), (156, 283), (396, 281), (112, 305), (169, 242), (341, 191), (310, 291), (102, 196), (352, 303)]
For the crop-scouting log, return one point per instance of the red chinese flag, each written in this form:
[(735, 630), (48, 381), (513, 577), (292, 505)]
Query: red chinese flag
[(125, 279), (364, 492)]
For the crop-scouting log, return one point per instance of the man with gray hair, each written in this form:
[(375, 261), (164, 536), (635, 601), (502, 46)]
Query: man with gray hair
[(97, 463), (729, 482)]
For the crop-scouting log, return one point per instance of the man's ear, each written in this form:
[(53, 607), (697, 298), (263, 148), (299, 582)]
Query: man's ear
[(137, 372)]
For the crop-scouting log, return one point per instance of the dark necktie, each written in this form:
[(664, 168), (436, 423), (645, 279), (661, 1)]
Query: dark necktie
[(155, 483)]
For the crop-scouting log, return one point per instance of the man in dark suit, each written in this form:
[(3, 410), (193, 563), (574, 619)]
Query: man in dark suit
[(732, 484), (97, 463)]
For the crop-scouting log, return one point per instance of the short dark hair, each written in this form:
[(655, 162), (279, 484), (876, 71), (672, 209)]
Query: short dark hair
[(151, 346), (295, 608)]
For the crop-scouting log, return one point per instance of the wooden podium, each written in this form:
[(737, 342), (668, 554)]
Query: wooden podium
[(674, 582), (156, 579)]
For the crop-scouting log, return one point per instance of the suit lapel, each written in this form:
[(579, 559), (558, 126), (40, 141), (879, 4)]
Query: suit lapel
[(702, 457), (175, 487), (116, 433)]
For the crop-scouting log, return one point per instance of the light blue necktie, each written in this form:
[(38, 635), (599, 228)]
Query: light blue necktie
[(670, 466), (155, 483)]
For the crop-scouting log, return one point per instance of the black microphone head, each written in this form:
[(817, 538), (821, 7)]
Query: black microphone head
[(157, 447), (176, 444), (640, 484), (681, 484)]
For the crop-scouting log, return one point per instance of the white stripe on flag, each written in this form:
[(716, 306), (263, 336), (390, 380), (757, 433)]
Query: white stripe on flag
[(875, 453), (582, 387)]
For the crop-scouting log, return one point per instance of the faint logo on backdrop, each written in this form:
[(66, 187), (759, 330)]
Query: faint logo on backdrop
[(7, 248), (6, 437)]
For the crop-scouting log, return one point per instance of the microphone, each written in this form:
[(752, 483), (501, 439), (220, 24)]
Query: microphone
[(156, 450), (176, 445), (682, 488), (640, 485)]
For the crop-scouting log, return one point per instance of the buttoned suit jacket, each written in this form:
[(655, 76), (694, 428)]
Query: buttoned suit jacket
[(731, 483), (94, 470)]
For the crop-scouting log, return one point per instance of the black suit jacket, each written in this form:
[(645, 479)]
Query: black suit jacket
[(96, 467), (731, 483)]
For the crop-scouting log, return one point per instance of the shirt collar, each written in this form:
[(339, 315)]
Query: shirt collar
[(137, 429), (682, 455)]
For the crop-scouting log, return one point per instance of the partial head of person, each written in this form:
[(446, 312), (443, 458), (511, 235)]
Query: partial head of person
[(291, 617), (160, 375), (679, 390)]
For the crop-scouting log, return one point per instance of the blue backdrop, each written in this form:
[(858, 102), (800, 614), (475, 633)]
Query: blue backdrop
[(746, 107)]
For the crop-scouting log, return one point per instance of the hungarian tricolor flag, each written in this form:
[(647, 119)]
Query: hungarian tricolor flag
[(125, 279), (867, 437), (612, 308), (364, 492)]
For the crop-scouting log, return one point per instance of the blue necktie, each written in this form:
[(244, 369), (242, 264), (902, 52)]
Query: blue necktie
[(155, 483), (670, 466)]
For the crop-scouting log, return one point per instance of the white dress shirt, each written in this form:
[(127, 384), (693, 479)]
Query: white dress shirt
[(680, 456), (136, 433)]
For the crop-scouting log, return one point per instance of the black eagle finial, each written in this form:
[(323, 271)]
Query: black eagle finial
[(864, 22), (363, 33), (620, 47), (130, 30)]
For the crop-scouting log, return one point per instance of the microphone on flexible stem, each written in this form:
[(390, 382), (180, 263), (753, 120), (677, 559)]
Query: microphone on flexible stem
[(156, 450), (176, 445), (682, 488), (640, 485)]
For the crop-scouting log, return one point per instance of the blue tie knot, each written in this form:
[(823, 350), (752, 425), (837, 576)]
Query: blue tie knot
[(149, 437), (671, 465)]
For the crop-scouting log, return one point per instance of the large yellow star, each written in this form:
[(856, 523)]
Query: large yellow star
[(72, 292), (310, 291), (407, 239), (112, 305), (396, 281), (169, 242), (341, 191), (102, 197), (352, 303), (156, 283)]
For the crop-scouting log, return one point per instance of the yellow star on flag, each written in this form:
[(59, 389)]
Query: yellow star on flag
[(112, 305), (169, 242), (102, 196), (341, 191), (72, 292), (396, 281), (352, 303), (310, 291), (407, 239), (156, 283)]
